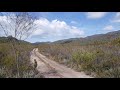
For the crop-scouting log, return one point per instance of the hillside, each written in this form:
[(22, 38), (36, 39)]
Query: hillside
[(97, 55), (101, 38), (90, 39), (13, 51), (10, 38)]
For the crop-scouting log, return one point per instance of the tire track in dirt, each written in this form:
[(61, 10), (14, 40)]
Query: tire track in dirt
[(52, 69)]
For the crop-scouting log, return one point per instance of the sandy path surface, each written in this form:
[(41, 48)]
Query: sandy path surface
[(52, 69)]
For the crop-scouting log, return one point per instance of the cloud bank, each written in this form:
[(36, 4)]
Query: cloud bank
[(95, 15), (56, 30), (116, 19), (108, 28), (49, 30)]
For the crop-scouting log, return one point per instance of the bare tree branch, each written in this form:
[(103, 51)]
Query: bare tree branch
[(21, 25)]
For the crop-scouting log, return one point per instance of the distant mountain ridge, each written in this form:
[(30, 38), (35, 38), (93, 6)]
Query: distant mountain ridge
[(7, 39), (37, 43), (89, 39), (97, 37)]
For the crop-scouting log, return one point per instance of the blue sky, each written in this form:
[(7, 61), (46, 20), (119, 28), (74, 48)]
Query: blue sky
[(54, 26)]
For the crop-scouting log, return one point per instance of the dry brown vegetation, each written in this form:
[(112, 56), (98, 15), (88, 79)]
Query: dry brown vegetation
[(99, 59), (14, 51), (8, 67)]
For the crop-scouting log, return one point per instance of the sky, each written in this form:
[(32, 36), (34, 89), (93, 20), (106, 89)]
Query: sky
[(53, 26)]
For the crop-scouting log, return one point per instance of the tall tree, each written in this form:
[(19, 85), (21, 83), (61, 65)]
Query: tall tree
[(19, 25)]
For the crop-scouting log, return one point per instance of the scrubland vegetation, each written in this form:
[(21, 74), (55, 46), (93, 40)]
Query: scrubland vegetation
[(8, 64), (14, 51), (99, 58), (97, 55)]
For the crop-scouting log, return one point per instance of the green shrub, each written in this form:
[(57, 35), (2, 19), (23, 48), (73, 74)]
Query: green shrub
[(84, 59), (7, 60), (100, 57), (111, 73)]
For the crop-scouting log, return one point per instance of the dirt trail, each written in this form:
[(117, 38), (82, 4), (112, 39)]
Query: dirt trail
[(52, 69)]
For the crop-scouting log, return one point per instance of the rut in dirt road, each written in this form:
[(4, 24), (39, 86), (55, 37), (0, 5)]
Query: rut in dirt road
[(52, 69)]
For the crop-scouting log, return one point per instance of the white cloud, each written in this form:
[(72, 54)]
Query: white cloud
[(108, 28), (118, 14), (5, 22), (73, 22), (116, 18), (95, 15), (8, 25), (56, 29), (53, 30)]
